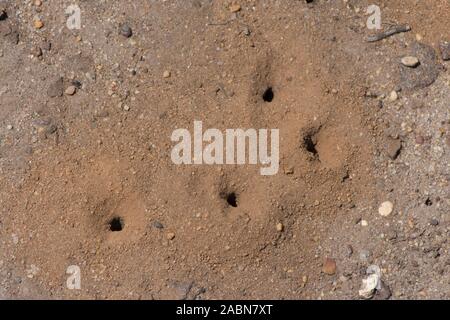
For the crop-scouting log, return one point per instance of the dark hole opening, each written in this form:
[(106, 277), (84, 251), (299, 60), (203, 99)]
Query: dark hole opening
[(268, 95), (309, 144), (232, 199), (428, 202), (77, 84), (3, 15), (116, 224)]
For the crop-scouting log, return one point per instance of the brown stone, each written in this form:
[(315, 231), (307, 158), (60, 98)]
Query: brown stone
[(329, 266), (393, 147), (235, 8)]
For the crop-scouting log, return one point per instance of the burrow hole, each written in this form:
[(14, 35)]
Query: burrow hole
[(116, 224), (232, 199), (3, 15), (309, 143), (428, 202), (268, 95)]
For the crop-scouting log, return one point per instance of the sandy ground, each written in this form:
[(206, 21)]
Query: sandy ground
[(86, 177)]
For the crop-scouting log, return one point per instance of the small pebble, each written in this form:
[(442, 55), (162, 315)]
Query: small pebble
[(9, 127), (126, 107), (444, 46), (410, 61), (364, 223), (70, 91), (280, 227), (235, 8), (393, 96), (420, 139), (329, 266), (37, 3), (386, 208), (38, 24), (166, 74), (393, 148), (126, 31), (434, 222), (170, 236)]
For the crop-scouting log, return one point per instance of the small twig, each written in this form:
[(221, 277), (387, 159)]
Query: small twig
[(219, 23), (388, 33), (221, 88)]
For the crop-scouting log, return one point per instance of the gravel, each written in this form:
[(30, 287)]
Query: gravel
[(125, 30)]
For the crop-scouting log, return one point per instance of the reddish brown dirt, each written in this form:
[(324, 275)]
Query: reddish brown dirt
[(71, 164)]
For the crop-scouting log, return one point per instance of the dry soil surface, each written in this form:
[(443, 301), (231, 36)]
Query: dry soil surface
[(86, 177)]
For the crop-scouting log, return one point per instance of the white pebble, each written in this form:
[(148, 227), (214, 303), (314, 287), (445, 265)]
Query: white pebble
[(410, 61), (393, 96), (386, 208)]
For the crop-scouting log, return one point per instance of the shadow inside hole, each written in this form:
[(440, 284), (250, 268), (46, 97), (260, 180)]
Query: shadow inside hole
[(232, 199), (268, 95), (428, 202), (3, 15), (310, 144), (116, 224)]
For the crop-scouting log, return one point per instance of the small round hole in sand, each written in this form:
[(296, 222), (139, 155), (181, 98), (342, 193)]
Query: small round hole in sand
[(310, 144), (268, 95), (116, 224), (232, 199)]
